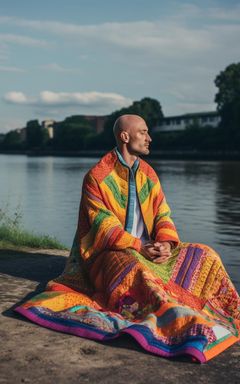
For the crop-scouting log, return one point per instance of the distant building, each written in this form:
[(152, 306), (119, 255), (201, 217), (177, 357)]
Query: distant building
[(180, 122), (97, 122), (49, 125)]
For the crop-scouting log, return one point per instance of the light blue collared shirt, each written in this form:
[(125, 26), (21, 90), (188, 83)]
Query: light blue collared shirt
[(134, 220)]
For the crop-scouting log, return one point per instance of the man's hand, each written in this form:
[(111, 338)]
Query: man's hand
[(149, 251), (164, 248), (157, 252)]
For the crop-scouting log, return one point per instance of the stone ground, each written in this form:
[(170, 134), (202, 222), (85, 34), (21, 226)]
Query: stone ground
[(33, 354)]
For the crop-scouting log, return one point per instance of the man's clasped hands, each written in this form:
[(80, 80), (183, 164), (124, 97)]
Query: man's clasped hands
[(157, 252)]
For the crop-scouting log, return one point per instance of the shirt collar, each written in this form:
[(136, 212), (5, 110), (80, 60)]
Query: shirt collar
[(123, 162)]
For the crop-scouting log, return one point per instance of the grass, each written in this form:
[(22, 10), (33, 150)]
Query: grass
[(13, 235)]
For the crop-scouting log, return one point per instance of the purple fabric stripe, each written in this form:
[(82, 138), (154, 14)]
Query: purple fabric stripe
[(107, 237), (184, 265), (93, 197), (195, 260), (90, 334), (184, 350), (122, 275)]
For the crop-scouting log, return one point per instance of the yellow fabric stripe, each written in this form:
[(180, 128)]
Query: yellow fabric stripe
[(164, 219), (204, 271), (165, 231)]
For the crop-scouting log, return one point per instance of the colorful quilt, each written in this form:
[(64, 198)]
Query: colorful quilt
[(184, 306)]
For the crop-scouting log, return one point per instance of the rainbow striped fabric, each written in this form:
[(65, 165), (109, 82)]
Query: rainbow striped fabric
[(186, 305), (104, 207)]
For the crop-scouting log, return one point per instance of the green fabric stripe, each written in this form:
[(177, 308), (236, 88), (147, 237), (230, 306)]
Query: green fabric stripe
[(145, 190), (118, 196), (211, 345), (44, 296), (98, 220), (164, 270), (160, 215)]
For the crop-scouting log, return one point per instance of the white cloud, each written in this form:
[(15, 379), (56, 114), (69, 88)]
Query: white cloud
[(22, 40), (10, 69), (168, 34), (58, 68), (207, 13), (6, 19), (179, 56), (87, 98), (16, 98), (227, 14), (167, 39), (137, 35), (67, 99), (58, 105)]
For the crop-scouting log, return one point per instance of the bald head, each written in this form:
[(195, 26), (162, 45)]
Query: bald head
[(132, 137), (126, 123)]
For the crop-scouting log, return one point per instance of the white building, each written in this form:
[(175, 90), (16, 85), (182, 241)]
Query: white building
[(49, 125), (180, 122)]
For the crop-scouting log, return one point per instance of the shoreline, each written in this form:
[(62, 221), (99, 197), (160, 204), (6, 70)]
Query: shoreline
[(161, 155)]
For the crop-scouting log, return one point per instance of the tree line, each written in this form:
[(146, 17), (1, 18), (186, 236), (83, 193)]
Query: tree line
[(78, 133)]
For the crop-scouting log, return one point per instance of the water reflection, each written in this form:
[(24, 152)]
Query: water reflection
[(190, 191), (228, 216), (228, 203)]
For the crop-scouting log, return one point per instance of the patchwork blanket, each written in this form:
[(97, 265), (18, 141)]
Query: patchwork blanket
[(186, 305)]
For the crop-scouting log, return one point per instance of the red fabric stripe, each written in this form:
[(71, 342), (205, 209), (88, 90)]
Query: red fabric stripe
[(166, 225)]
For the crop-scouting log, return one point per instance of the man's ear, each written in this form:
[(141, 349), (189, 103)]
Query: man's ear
[(124, 136)]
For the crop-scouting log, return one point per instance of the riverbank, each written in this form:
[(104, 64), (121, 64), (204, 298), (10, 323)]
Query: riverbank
[(161, 154), (33, 354), (14, 236)]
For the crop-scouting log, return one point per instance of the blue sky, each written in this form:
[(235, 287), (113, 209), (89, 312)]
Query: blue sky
[(59, 58)]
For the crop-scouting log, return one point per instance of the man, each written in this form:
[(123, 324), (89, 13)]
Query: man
[(132, 138), (129, 196), (129, 272)]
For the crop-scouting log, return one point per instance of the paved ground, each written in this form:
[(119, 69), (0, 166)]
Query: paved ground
[(33, 354)]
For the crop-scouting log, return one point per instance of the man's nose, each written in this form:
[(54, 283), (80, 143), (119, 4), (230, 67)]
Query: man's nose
[(149, 138)]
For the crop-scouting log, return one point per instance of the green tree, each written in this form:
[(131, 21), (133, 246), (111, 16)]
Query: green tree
[(36, 136), (73, 133), (12, 140), (228, 102), (149, 109)]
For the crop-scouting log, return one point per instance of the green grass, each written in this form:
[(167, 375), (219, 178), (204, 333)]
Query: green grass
[(14, 236)]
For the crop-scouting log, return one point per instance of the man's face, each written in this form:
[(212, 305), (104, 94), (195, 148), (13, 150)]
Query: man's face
[(139, 139)]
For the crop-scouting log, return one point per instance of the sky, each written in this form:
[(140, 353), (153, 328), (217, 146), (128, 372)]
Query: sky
[(60, 58)]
